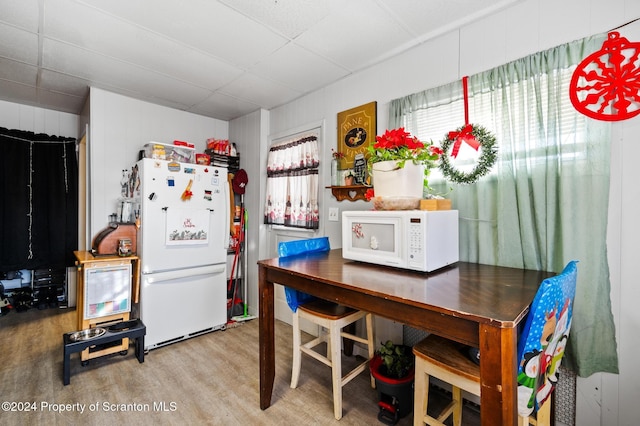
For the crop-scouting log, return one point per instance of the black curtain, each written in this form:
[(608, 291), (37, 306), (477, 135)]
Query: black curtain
[(39, 208)]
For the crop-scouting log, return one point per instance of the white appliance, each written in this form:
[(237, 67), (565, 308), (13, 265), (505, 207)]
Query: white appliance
[(182, 245), (420, 240)]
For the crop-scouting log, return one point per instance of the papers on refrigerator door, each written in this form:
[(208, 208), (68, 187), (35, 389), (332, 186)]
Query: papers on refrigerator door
[(187, 227)]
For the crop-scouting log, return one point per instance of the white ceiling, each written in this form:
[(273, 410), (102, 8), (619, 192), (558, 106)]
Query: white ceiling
[(218, 58)]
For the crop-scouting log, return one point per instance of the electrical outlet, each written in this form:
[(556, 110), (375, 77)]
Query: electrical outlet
[(333, 214)]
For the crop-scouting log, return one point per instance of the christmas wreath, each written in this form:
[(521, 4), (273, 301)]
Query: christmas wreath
[(483, 139)]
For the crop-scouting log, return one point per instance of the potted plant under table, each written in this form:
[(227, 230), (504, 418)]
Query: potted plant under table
[(393, 369)]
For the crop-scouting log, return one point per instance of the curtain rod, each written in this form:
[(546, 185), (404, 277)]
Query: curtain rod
[(32, 141), (624, 25)]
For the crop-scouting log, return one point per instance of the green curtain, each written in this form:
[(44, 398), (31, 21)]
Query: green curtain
[(546, 200)]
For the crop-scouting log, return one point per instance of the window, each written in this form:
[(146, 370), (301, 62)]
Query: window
[(292, 183), (547, 129)]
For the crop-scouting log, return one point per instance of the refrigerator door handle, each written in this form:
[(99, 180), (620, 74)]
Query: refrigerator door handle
[(182, 273)]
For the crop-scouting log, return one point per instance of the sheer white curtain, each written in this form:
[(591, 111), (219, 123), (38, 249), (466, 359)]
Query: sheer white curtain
[(545, 201), (292, 183)]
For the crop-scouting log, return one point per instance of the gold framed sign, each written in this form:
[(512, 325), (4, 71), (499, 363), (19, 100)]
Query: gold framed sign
[(356, 130)]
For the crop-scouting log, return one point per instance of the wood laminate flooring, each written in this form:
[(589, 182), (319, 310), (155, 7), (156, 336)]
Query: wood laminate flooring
[(212, 379)]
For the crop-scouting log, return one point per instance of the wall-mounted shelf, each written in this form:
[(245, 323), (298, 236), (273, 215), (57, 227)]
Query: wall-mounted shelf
[(349, 192)]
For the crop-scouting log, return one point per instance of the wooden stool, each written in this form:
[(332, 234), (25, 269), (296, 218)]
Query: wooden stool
[(441, 358), (334, 318)]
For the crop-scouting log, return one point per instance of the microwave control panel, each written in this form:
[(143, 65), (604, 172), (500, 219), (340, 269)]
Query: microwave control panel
[(416, 243)]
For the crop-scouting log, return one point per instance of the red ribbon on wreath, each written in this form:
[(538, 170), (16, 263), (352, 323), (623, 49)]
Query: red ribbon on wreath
[(465, 134)]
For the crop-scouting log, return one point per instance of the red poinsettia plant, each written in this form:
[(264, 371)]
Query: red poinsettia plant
[(399, 145)]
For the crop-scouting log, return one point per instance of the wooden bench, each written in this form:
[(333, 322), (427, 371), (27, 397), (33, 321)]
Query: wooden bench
[(133, 329)]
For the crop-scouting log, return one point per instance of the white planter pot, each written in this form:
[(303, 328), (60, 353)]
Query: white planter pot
[(389, 181)]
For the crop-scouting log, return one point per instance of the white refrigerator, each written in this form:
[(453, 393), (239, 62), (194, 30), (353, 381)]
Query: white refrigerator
[(182, 244)]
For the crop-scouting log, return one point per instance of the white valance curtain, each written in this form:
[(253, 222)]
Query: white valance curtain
[(292, 183)]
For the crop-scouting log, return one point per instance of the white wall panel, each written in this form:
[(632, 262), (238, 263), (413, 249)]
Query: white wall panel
[(521, 34), (562, 21), (38, 120), (120, 126), (626, 219), (9, 115), (483, 44)]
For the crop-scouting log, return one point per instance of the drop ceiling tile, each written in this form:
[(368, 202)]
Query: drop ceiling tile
[(299, 69), (18, 44), (21, 13), (102, 70), (62, 83), (211, 27), (12, 91), (259, 91), (18, 72), (352, 42), (289, 17), (122, 40), (61, 101), (244, 46), (224, 107), (430, 18)]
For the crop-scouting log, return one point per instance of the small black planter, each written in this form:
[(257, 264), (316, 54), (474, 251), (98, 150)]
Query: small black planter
[(396, 395)]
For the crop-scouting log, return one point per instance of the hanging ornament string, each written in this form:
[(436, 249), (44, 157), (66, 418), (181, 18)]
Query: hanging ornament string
[(474, 136), (465, 95), (465, 134)]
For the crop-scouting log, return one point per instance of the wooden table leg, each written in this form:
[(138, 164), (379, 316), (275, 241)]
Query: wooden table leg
[(498, 399), (267, 338)]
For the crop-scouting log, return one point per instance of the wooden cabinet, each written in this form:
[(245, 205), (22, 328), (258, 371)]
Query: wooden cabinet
[(98, 275)]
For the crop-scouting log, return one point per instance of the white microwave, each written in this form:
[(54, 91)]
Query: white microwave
[(419, 240)]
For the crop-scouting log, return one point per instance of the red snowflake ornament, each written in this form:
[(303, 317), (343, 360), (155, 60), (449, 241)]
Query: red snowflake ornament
[(606, 84)]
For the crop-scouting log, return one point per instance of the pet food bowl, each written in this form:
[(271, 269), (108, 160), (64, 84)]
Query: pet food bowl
[(89, 333)]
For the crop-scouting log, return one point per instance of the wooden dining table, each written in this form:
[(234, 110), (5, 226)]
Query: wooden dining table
[(474, 304)]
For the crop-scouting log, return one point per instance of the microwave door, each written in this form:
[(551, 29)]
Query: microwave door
[(374, 240)]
